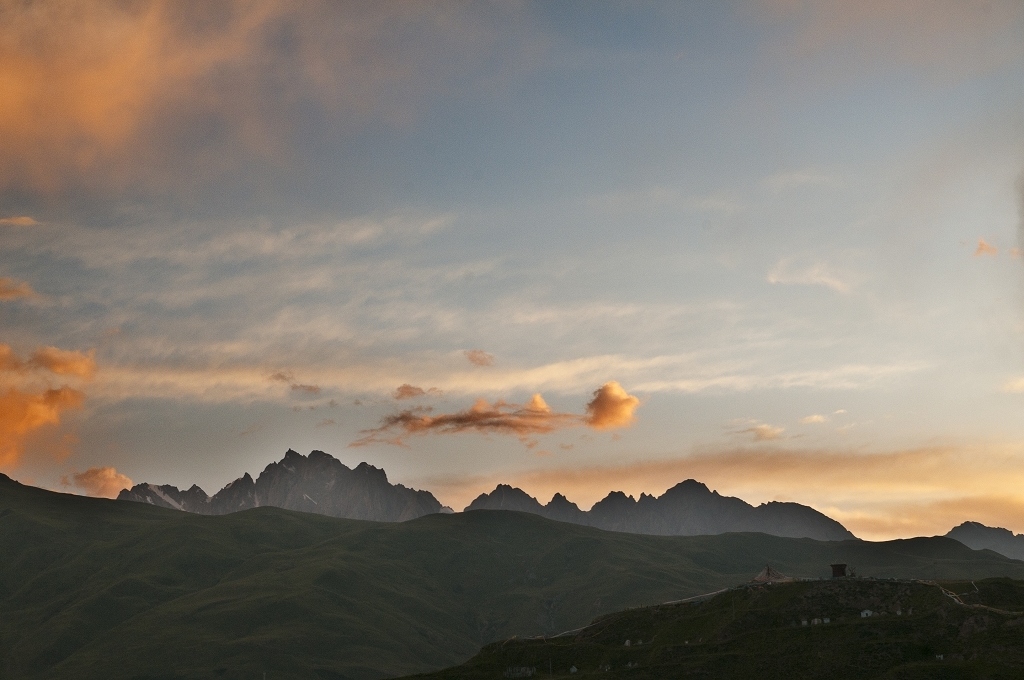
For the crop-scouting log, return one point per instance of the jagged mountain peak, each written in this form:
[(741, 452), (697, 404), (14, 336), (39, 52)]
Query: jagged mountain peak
[(318, 483)]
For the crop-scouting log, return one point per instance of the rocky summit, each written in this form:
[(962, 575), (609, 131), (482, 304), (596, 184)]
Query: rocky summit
[(687, 509), (317, 483)]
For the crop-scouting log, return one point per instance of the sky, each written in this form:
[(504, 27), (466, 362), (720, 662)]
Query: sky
[(577, 247)]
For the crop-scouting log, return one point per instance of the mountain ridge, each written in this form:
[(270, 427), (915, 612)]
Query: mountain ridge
[(318, 483), (977, 536), (689, 508)]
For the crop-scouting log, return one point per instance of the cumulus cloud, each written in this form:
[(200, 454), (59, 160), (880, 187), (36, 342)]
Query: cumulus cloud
[(22, 412), (478, 357), (790, 272), (812, 419), (11, 289), (28, 402), (985, 249), (101, 482), (17, 221), (610, 408)]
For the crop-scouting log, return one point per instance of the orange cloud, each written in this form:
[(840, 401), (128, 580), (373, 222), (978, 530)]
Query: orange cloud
[(110, 94), (18, 221), (22, 412), (408, 391), (478, 357), (12, 290), (65, 362), (281, 376), (985, 249), (308, 389), (611, 407), (27, 406), (101, 482)]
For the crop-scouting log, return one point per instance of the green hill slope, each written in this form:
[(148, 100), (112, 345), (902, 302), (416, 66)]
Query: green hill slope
[(806, 630), (100, 589)]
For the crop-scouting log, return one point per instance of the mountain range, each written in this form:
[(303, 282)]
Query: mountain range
[(317, 483), (321, 484), (687, 509)]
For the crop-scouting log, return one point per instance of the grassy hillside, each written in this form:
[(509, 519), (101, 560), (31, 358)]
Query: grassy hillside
[(103, 589), (780, 631)]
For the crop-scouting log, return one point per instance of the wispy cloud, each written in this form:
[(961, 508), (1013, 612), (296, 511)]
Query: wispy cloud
[(792, 272), (813, 419), (407, 391), (611, 407), (478, 357), (18, 221), (763, 432), (11, 289), (107, 97)]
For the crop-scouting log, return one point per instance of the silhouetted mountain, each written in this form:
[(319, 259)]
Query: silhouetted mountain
[(687, 509), (317, 483), (980, 537)]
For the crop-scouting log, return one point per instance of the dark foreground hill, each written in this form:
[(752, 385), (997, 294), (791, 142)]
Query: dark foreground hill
[(830, 630), (318, 483), (103, 589), (687, 509)]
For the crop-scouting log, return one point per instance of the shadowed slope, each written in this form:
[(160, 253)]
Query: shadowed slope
[(100, 589)]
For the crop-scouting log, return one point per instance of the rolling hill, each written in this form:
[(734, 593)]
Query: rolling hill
[(92, 588), (842, 629)]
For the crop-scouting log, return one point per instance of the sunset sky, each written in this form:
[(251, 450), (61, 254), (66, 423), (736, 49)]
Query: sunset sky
[(769, 245)]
